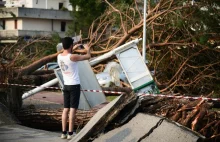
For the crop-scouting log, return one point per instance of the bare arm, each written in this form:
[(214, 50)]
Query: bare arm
[(76, 57)]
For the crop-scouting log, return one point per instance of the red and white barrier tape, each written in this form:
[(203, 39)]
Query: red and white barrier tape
[(178, 97), (110, 92), (141, 95)]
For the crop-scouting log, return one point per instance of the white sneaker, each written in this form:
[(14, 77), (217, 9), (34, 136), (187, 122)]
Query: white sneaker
[(69, 137), (63, 136)]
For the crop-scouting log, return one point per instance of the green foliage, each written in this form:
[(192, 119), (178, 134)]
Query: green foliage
[(203, 39), (88, 12), (64, 9), (188, 61), (110, 98)]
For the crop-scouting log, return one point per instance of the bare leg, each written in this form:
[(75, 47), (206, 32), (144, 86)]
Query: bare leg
[(72, 117), (64, 118)]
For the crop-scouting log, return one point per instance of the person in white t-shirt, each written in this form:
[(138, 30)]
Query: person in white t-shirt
[(71, 92)]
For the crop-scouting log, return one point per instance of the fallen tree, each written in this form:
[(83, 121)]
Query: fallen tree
[(182, 53), (197, 115)]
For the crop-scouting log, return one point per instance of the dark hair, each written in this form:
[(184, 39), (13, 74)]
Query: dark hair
[(67, 42)]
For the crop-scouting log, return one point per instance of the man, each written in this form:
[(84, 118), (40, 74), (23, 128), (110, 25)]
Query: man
[(68, 64)]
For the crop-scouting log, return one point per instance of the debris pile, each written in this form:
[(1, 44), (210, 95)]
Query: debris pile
[(197, 115)]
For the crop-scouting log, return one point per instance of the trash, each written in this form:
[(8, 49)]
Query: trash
[(112, 73), (104, 79), (114, 69)]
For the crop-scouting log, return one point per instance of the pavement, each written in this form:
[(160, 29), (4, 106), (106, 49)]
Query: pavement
[(149, 128), (11, 131), (45, 99), (18, 133)]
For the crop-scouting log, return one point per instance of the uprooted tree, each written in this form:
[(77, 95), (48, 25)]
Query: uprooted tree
[(182, 41)]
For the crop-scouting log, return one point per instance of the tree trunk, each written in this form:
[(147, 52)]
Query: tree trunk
[(51, 119)]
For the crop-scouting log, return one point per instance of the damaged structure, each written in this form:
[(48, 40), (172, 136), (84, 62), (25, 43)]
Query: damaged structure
[(126, 118)]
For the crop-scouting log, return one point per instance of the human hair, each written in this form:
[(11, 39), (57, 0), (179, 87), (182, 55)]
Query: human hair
[(67, 42)]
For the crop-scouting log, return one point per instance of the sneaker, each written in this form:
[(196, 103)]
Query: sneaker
[(63, 136), (69, 137)]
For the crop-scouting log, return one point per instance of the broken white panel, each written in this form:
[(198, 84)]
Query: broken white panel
[(88, 81), (135, 69)]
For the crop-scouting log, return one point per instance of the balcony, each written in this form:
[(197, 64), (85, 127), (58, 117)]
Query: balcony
[(13, 34), (20, 12)]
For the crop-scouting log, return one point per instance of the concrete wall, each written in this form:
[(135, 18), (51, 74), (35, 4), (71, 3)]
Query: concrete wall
[(54, 4), (8, 33), (9, 24), (28, 3), (43, 25), (32, 27), (57, 25), (37, 25), (38, 4)]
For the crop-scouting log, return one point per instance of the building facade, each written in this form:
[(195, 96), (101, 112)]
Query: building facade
[(33, 19), (42, 4)]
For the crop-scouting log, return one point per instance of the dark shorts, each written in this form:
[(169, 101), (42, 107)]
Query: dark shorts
[(71, 95)]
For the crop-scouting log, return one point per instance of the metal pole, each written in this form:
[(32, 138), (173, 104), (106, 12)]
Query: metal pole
[(112, 52), (144, 32), (40, 88), (46, 4)]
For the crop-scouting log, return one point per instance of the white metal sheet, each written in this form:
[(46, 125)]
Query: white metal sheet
[(134, 67), (88, 81)]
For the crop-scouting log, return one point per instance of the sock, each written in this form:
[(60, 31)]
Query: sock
[(64, 132), (70, 133)]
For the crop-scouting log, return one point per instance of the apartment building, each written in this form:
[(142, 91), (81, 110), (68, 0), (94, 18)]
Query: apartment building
[(28, 18)]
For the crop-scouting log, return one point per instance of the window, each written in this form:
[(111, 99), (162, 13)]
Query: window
[(60, 5), (3, 24), (16, 24), (63, 26)]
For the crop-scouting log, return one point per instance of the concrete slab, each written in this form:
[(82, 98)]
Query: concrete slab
[(149, 128), (131, 131), (17, 133), (171, 132), (81, 136)]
